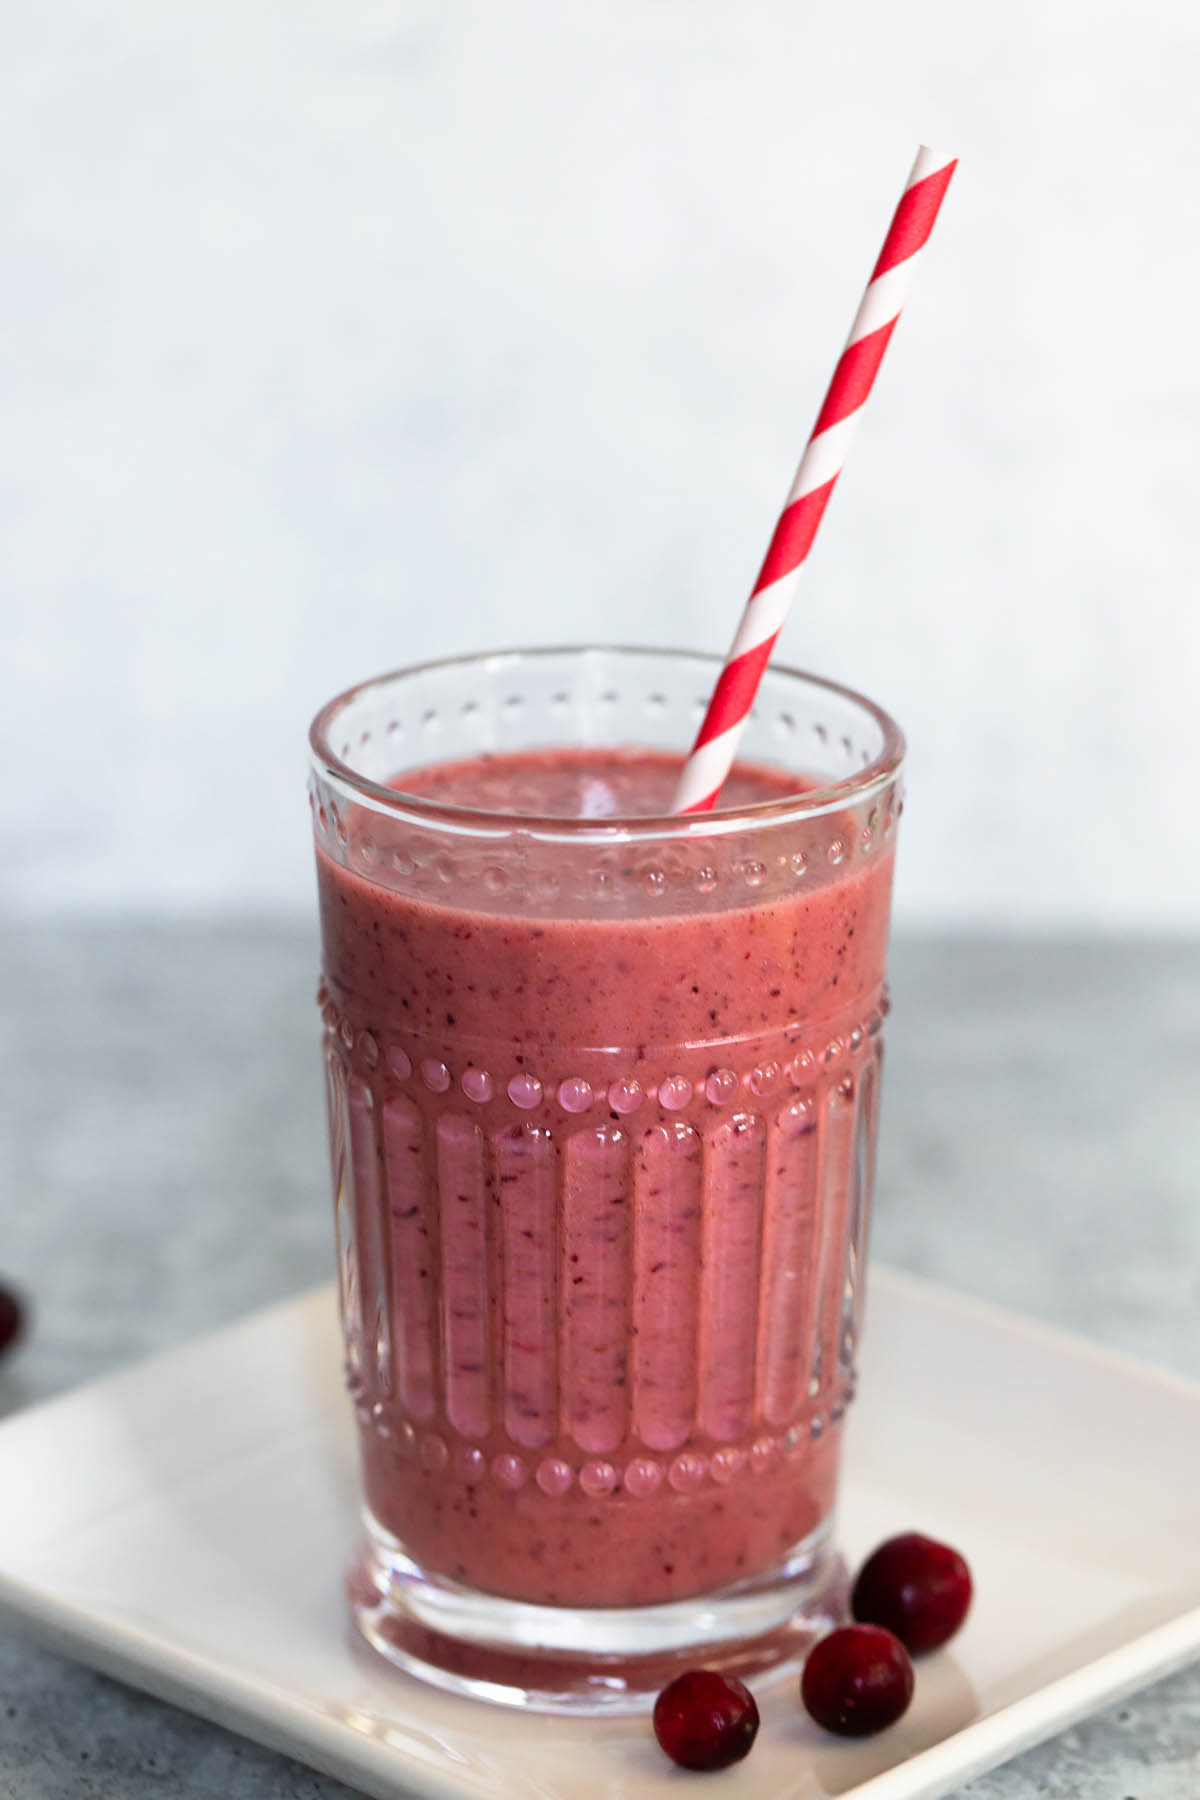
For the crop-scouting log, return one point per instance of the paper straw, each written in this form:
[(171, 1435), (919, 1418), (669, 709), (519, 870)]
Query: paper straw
[(716, 742)]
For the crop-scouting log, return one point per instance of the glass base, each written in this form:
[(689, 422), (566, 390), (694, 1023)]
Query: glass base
[(589, 1660)]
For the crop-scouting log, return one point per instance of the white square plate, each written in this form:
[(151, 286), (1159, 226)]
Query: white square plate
[(182, 1525)]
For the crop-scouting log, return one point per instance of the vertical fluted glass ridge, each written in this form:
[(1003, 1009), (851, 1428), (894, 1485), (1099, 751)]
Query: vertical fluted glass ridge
[(530, 1278)]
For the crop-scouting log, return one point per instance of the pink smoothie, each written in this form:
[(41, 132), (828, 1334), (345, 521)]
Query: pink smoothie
[(603, 1177)]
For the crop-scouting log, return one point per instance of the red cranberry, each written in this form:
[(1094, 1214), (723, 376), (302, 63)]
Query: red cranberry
[(857, 1681), (12, 1318), (704, 1720), (915, 1587)]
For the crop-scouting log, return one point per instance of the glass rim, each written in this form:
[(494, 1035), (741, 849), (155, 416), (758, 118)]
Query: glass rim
[(829, 797)]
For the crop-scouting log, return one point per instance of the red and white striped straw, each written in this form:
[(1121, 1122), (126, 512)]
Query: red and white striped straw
[(716, 741)]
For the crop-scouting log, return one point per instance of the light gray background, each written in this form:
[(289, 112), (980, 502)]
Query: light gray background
[(333, 336)]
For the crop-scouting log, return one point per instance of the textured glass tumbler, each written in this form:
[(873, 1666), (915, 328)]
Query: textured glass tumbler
[(602, 1106)]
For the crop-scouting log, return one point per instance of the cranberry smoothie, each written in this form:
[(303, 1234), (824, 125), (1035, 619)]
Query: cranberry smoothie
[(602, 1165)]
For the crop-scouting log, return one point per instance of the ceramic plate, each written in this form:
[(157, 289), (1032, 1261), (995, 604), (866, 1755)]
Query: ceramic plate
[(182, 1525)]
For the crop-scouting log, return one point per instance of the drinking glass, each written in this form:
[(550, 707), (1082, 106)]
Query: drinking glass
[(603, 1096)]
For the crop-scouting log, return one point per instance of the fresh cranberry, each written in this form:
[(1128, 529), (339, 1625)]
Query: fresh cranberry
[(12, 1318), (857, 1681), (915, 1587), (704, 1720)]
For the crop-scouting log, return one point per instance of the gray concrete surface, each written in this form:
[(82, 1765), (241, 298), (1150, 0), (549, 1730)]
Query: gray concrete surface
[(161, 1136)]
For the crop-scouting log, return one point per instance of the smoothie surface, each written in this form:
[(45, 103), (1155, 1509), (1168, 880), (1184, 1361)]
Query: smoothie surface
[(583, 783)]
